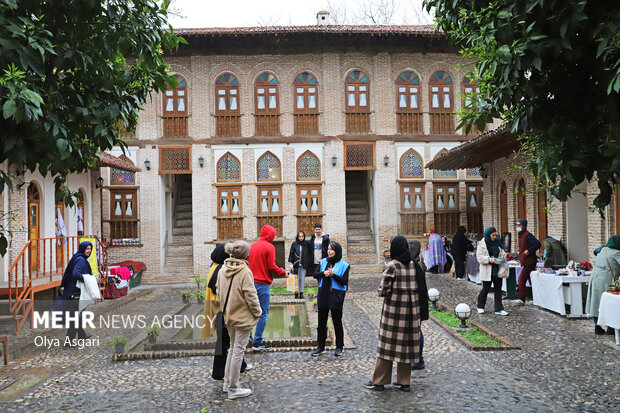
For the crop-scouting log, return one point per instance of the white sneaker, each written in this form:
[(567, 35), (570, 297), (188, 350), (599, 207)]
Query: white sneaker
[(518, 301), (225, 387), (239, 393), (481, 311), (248, 367), (501, 312)]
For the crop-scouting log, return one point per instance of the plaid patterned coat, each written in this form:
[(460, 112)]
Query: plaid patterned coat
[(399, 329)]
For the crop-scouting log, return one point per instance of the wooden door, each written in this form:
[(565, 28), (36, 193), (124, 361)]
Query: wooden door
[(60, 243), (33, 233), (503, 208), (474, 209), (542, 217)]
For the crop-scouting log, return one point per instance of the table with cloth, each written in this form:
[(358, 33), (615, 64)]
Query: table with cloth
[(554, 292), (609, 313)]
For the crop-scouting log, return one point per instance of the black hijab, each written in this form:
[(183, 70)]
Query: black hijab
[(219, 255), (338, 256), (399, 250), (80, 253)]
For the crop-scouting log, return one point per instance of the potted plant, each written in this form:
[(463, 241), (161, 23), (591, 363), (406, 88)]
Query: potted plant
[(119, 344), (186, 295), (198, 281), (152, 333), (200, 296)]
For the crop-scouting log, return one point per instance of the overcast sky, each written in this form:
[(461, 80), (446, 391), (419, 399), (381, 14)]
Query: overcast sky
[(242, 13)]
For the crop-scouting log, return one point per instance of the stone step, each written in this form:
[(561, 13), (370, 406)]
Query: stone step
[(355, 249), (179, 262), (183, 215), (175, 250), (184, 208), (357, 218), (356, 203), (181, 240), (358, 225), (361, 238), (176, 276), (357, 211), (357, 259), (365, 269), (359, 232), (183, 223), (182, 231)]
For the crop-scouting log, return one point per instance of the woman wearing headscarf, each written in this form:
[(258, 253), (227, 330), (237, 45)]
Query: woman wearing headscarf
[(605, 272), (460, 246), (436, 253), (399, 329), (488, 252), (333, 277), (299, 261), (78, 265), (212, 306)]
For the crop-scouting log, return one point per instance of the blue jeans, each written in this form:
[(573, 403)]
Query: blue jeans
[(263, 297)]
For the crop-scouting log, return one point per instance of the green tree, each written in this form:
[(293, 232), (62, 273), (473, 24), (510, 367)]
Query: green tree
[(70, 72), (551, 70)]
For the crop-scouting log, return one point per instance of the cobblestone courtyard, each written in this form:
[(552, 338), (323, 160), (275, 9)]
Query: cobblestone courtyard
[(562, 366)]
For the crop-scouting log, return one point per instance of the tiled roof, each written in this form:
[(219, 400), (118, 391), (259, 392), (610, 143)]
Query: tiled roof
[(424, 30), (488, 146), (107, 159)]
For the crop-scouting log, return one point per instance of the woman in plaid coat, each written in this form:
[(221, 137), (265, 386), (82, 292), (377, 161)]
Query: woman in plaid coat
[(399, 329)]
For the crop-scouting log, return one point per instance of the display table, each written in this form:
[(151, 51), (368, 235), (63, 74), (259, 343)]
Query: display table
[(609, 313), (554, 292)]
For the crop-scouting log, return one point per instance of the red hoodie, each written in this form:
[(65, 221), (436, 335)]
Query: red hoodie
[(262, 257)]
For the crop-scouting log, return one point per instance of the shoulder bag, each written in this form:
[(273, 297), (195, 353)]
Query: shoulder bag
[(219, 323)]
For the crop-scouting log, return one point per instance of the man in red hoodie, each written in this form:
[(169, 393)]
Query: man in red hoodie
[(262, 261)]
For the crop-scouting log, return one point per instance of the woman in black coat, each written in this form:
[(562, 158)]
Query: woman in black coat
[(78, 265), (460, 246), (299, 260)]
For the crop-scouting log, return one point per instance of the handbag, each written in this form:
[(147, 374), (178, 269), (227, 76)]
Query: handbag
[(219, 323)]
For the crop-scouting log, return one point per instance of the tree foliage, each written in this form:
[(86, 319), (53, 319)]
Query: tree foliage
[(551, 70), (70, 72)]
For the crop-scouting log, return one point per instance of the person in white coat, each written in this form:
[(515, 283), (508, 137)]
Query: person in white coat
[(488, 253)]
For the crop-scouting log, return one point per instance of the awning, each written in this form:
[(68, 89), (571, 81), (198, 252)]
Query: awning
[(107, 159), (486, 147)]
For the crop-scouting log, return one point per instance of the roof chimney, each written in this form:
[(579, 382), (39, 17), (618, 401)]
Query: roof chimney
[(322, 18)]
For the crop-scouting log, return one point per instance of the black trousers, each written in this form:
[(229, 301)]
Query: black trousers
[(321, 334), (497, 293), (73, 306), (459, 266)]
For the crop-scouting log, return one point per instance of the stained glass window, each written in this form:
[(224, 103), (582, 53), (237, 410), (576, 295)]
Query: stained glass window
[(266, 91), (122, 177), (305, 92), (227, 93), (308, 167), (411, 165), (357, 91), (441, 91), (266, 78), (356, 76), (228, 168), (444, 174), (269, 168), (407, 77), (473, 171)]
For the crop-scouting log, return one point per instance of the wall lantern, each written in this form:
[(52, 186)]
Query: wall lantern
[(99, 183), (386, 160), (147, 165), (201, 161), (483, 172), (334, 159)]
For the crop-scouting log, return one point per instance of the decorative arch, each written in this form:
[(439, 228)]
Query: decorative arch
[(411, 165), (268, 168), (308, 167), (443, 174), (503, 207), (228, 168), (227, 94)]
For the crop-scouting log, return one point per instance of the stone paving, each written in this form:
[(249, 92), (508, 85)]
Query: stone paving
[(562, 366)]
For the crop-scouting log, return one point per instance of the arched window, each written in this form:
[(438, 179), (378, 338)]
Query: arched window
[(470, 89), (521, 199), (175, 109), (308, 167), (357, 92), (227, 94), (228, 168), (411, 165), (34, 223), (306, 104), (268, 168), (408, 114), (441, 102), (267, 108), (120, 177), (503, 208), (443, 174)]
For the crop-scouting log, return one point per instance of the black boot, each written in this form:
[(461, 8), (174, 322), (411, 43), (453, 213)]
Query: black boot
[(301, 296), (598, 330), (296, 295), (610, 331)]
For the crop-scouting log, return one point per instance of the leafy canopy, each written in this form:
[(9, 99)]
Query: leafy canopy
[(551, 70), (70, 73)]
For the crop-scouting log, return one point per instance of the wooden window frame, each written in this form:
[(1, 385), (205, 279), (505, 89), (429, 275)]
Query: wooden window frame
[(356, 83), (175, 96), (227, 88), (400, 169), (309, 187), (408, 94), (412, 186), (217, 168), (230, 214), (440, 84), (543, 221), (268, 179), (267, 110), (134, 216), (270, 197), (308, 152), (503, 207), (306, 94), (446, 185), (521, 201)]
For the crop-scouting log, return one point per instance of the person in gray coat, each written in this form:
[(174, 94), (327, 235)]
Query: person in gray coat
[(606, 270)]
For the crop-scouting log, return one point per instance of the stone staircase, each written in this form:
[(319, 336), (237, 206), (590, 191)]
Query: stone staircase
[(179, 263), (361, 249)]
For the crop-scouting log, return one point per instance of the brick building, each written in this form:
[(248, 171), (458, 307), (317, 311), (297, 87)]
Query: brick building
[(510, 193)]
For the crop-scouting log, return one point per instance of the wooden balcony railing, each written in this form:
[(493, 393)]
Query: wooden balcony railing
[(306, 123), (357, 122), (226, 126), (229, 227), (412, 223), (409, 123), (273, 220), (175, 126), (267, 125), (442, 123), (124, 229), (474, 222), (446, 222), (306, 223)]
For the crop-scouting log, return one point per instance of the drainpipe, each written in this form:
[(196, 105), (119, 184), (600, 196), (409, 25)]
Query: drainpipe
[(5, 204)]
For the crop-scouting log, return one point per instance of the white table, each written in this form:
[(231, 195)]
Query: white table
[(553, 292), (609, 313)]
